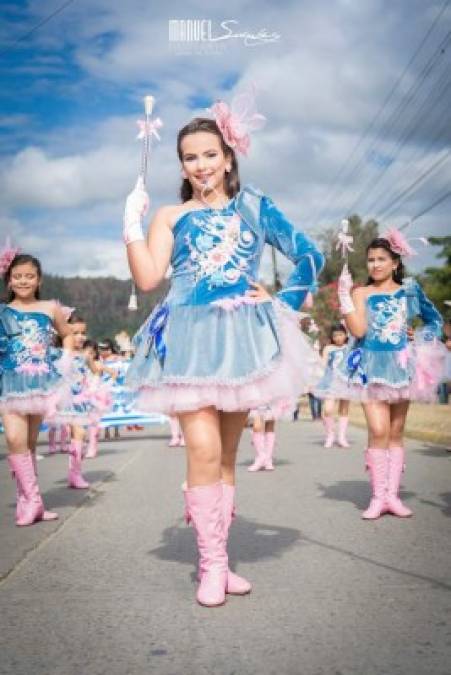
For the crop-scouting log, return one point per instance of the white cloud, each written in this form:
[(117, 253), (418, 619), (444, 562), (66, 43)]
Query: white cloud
[(319, 88)]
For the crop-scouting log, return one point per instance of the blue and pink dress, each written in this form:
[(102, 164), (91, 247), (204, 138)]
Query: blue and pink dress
[(30, 382), (384, 365), (208, 343)]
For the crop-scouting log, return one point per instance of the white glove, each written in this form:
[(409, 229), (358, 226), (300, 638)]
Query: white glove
[(136, 207), (345, 284)]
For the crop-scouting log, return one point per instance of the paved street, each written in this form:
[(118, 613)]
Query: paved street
[(109, 588)]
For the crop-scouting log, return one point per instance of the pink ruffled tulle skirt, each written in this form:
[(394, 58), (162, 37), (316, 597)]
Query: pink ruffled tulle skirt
[(292, 373), (43, 404), (426, 363)]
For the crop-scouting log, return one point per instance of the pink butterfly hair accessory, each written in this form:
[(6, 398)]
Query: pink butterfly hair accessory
[(7, 255), (400, 244), (237, 121)]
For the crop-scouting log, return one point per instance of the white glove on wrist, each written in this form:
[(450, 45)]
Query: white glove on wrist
[(136, 207), (345, 284)]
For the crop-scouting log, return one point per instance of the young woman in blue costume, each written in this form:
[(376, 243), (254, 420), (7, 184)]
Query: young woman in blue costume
[(218, 345), (30, 384), (387, 365)]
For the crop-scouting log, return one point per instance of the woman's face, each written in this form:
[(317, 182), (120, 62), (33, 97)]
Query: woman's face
[(380, 264), (24, 281), (203, 161)]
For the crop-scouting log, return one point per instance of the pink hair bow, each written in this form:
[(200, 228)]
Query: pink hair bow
[(7, 255), (237, 121), (399, 244), (149, 128)]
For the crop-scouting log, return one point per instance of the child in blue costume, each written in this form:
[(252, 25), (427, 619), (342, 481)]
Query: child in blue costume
[(85, 404), (218, 344), (387, 365), (30, 383), (332, 357)]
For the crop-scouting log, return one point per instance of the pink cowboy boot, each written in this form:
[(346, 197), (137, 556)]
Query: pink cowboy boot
[(377, 463), (329, 425), (92, 442), (395, 469), (258, 440), (30, 508), (236, 585), (342, 428), (47, 515), (74, 477), (270, 442), (205, 508)]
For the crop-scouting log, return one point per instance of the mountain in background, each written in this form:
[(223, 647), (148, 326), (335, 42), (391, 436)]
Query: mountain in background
[(103, 302)]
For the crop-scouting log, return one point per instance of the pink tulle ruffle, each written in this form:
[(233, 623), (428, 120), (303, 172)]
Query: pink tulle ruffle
[(32, 404)]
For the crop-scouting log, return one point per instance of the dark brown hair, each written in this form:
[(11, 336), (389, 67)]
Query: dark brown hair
[(231, 179), (399, 272), (337, 328), (76, 318), (22, 259)]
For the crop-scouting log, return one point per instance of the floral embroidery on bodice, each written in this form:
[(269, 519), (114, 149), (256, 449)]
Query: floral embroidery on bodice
[(387, 319), (221, 249), (28, 352)]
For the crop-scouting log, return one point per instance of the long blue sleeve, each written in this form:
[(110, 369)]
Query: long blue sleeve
[(297, 247), (429, 314)]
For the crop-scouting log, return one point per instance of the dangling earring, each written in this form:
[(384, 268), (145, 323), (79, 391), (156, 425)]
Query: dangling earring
[(183, 172), (227, 169)]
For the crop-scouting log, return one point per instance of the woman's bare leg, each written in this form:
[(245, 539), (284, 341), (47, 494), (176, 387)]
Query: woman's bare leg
[(202, 433), (377, 414), (398, 415), (34, 424), (231, 428), (16, 432)]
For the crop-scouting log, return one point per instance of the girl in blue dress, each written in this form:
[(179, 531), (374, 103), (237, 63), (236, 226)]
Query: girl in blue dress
[(332, 357), (30, 383), (387, 365), (219, 344), (86, 402)]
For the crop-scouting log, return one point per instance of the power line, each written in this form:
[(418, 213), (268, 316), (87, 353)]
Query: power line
[(405, 137), (438, 201), (387, 99), (398, 201), (407, 100), (38, 25), (387, 204)]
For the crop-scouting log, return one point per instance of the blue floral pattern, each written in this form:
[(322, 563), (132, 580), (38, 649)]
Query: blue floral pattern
[(222, 251), (388, 319)]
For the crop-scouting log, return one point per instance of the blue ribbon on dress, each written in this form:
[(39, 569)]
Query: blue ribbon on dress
[(156, 328), (9, 322), (354, 362)]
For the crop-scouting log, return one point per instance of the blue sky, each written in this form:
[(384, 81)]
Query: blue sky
[(72, 90)]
